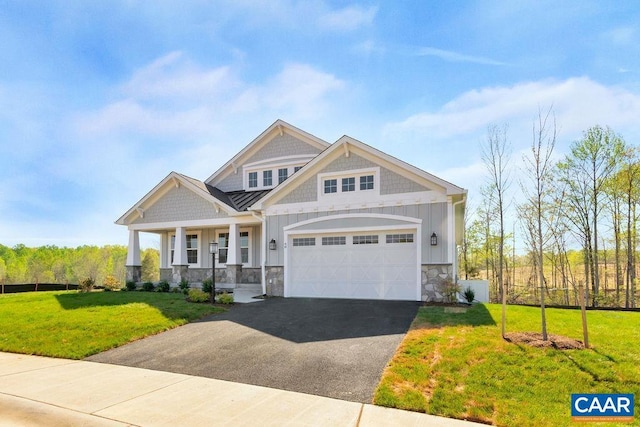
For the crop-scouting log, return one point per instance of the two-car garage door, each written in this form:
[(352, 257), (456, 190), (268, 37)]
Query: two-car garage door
[(363, 265)]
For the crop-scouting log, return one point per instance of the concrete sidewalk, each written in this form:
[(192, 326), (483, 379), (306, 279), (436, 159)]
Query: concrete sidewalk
[(40, 391)]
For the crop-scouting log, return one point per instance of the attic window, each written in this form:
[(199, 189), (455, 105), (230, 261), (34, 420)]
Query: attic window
[(253, 179)]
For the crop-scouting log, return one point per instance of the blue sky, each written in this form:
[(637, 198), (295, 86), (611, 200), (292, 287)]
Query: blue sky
[(101, 100)]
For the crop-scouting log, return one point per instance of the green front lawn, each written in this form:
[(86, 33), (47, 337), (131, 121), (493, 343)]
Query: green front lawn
[(457, 365), (76, 325)]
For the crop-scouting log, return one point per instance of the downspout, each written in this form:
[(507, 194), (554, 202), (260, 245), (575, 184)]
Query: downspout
[(263, 251)]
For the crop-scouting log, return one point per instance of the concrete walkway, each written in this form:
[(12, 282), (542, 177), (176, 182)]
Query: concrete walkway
[(40, 391)]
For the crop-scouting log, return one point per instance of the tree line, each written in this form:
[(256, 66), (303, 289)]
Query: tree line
[(52, 264), (577, 215)]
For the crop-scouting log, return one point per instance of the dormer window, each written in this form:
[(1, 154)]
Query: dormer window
[(253, 179), (283, 174), (267, 178)]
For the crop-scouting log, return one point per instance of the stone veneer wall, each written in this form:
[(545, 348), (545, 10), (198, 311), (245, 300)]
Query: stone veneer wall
[(223, 275), (434, 278), (275, 281)]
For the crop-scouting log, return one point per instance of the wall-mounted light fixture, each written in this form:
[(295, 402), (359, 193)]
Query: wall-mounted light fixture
[(272, 245), (434, 239)]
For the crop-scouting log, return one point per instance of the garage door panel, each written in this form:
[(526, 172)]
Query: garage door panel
[(375, 270)]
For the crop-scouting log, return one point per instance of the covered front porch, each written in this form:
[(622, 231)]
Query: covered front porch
[(184, 253)]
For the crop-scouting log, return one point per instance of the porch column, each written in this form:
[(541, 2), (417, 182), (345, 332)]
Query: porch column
[(180, 247), (233, 255), (180, 261), (133, 265), (234, 258)]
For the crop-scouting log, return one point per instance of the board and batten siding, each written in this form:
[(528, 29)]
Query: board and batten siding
[(433, 216)]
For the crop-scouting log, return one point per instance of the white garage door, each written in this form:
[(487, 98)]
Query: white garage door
[(376, 265)]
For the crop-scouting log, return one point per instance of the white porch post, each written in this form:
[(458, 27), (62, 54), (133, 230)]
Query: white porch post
[(133, 265), (233, 254), (180, 248), (133, 252)]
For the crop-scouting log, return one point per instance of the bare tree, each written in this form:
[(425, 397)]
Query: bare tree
[(539, 166), (496, 154)]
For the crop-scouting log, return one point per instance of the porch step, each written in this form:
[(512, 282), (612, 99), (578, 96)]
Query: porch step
[(250, 287)]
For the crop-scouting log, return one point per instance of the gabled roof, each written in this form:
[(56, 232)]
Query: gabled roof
[(279, 127), (344, 145), (176, 179)]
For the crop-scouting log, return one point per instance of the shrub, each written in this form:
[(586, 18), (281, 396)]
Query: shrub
[(207, 285), (225, 298), (175, 290), (449, 290), (184, 286), (86, 285), (148, 287), (163, 286), (131, 285), (469, 295), (111, 283), (196, 295)]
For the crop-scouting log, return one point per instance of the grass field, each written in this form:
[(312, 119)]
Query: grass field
[(457, 365), (75, 325)]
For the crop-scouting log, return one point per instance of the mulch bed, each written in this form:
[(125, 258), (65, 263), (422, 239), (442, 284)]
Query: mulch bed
[(534, 339)]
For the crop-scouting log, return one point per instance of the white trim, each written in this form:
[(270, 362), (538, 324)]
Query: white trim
[(413, 225), (342, 203), (353, 196), (408, 219), (198, 223), (280, 161), (275, 178)]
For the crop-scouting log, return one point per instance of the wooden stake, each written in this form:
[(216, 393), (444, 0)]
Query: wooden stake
[(584, 316)]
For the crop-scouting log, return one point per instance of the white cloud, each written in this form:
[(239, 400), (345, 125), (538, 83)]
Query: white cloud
[(452, 56), (348, 19), (174, 98), (579, 103)]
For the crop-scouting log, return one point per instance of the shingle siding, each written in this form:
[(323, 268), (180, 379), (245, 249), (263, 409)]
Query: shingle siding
[(232, 182), (282, 146), (179, 204)]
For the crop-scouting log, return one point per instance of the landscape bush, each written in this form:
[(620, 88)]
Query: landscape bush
[(469, 295), (86, 285), (111, 283), (163, 286), (196, 295), (225, 298), (130, 285), (148, 287), (184, 286), (207, 285)]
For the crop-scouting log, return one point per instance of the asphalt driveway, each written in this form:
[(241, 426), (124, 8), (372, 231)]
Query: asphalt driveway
[(327, 347)]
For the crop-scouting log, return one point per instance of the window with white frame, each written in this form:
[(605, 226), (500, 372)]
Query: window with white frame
[(223, 247), (264, 178), (366, 240), (366, 182), (267, 178), (330, 186), (192, 248), (334, 240), (400, 238), (253, 179), (283, 174), (304, 241), (349, 183)]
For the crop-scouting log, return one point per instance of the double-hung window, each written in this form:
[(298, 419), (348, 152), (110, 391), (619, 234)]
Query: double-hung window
[(192, 248), (223, 247)]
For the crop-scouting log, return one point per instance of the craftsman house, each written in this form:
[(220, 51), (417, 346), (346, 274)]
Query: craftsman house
[(305, 218)]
